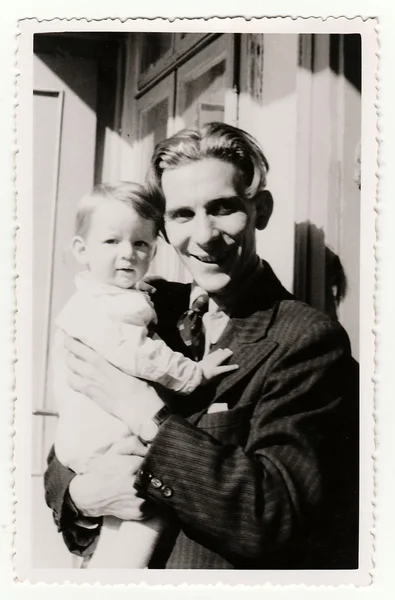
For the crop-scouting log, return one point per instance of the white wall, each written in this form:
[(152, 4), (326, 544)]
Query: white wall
[(54, 215), (268, 110)]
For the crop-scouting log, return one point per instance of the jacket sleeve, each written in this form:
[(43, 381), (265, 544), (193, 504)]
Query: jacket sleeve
[(79, 532), (248, 502)]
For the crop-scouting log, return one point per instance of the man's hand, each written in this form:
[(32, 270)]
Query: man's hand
[(212, 365), (113, 390), (108, 487)]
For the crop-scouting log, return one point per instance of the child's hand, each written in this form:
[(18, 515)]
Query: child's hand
[(212, 365), (144, 286)]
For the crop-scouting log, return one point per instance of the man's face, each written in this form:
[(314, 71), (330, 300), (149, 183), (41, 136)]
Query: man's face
[(209, 224)]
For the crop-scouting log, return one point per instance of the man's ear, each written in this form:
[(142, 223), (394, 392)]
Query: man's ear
[(78, 247), (264, 208)]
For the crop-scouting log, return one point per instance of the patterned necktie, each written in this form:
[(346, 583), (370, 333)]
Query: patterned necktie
[(190, 326)]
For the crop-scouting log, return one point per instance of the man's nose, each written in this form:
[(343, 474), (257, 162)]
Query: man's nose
[(204, 230)]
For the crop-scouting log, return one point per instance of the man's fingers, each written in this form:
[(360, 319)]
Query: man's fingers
[(73, 362), (115, 466), (110, 464), (130, 446), (77, 366), (79, 349), (76, 382), (128, 509)]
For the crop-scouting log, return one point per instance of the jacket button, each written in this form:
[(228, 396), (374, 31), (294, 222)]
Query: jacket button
[(167, 492), (156, 483)]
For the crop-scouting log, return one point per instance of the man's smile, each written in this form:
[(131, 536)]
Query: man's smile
[(216, 259)]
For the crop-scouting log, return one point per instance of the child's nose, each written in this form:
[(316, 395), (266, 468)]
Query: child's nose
[(126, 249)]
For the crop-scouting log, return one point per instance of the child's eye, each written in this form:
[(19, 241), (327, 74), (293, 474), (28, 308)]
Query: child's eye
[(111, 241), (141, 244)]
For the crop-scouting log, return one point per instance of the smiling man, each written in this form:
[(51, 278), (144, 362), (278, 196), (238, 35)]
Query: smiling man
[(210, 223), (258, 471)]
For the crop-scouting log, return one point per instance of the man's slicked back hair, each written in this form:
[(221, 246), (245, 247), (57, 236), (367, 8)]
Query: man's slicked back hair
[(213, 140)]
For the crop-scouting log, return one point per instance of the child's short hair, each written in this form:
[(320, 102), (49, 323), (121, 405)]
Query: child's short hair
[(132, 194), (213, 140)]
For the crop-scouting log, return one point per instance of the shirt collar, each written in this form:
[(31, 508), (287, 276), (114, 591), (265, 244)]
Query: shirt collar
[(196, 291)]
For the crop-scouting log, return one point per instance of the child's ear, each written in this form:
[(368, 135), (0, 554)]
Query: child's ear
[(264, 208), (78, 247)]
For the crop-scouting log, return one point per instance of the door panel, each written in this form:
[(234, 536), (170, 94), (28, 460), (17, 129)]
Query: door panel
[(154, 120), (156, 52), (205, 86)]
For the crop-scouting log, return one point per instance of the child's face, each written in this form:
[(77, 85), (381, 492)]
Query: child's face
[(119, 245)]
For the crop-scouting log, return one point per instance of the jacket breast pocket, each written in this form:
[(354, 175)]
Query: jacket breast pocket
[(229, 426)]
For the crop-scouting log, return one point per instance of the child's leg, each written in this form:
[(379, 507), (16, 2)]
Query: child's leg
[(125, 544)]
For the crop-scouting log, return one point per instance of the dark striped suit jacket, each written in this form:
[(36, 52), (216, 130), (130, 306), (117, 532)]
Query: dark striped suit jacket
[(271, 483)]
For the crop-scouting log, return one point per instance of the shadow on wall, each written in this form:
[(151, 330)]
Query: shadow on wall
[(320, 279), (335, 282)]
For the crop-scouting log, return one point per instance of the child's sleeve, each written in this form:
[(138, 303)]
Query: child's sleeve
[(151, 359)]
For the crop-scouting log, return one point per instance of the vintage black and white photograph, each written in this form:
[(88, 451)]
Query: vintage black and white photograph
[(196, 267)]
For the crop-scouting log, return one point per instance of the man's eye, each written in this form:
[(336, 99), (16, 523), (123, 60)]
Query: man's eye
[(111, 241), (181, 216), (224, 208)]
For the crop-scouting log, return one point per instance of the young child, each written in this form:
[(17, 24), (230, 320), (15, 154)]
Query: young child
[(111, 311)]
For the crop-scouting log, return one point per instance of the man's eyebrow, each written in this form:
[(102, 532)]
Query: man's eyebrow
[(210, 204), (224, 199), (173, 211)]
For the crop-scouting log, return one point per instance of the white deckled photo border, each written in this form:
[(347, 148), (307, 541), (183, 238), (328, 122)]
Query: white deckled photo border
[(24, 171)]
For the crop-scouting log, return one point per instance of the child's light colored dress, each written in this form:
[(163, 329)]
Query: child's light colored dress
[(115, 323)]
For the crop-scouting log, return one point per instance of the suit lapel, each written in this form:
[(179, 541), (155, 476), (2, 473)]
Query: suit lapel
[(247, 331), (247, 339), (245, 334)]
